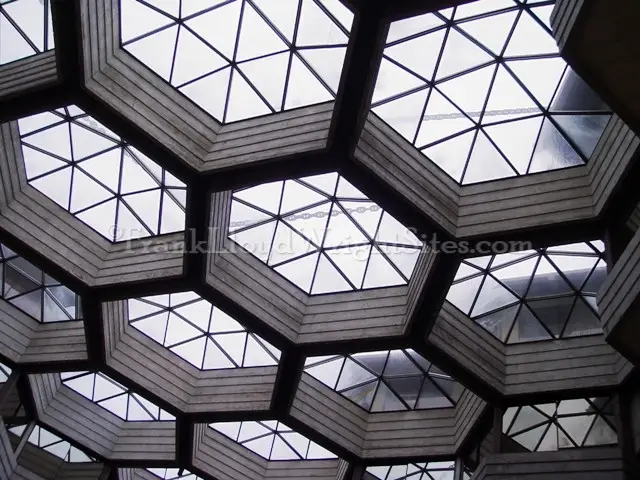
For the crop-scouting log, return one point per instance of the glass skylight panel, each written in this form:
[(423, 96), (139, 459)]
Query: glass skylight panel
[(564, 424), (241, 58), (272, 440), (323, 235), (44, 439), (34, 292), (95, 175), (25, 29), (202, 334), (110, 395), (414, 471), (483, 92), (4, 372), (386, 381), (173, 474), (533, 295)]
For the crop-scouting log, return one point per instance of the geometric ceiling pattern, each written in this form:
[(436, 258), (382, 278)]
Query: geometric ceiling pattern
[(323, 234), (386, 381), (272, 440), (242, 58), (34, 292), (173, 474), (533, 295), (44, 439), (195, 330), (414, 471), (99, 178), (113, 397), (483, 92), (25, 29), (564, 424)]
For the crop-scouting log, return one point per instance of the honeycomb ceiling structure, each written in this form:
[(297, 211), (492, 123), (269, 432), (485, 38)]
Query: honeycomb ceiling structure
[(329, 239)]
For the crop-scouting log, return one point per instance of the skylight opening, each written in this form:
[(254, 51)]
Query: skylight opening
[(565, 424), (272, 440), (35, 293), (173, 474), (323, 235), (25, 29), (533, 295), (414, 471), (44, 439), (386, 381), (483, 92), (200, 333), (99, 178), (242, 58), (113, 397)]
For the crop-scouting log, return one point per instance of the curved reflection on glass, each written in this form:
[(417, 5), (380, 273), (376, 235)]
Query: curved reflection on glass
[(533, 295), (483, 92), (44, 439), (323, 235), (564, 424), (25, 29), (386, 381)]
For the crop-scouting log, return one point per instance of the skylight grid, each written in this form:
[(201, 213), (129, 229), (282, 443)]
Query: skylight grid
[(239, 59), (533, 295), (44, 439), (272, 440), (200, 333), (386, 381), (25, 29), (113, 397), (414, 471), (99, 178), (483, 92), (323, 235), (37, 294)]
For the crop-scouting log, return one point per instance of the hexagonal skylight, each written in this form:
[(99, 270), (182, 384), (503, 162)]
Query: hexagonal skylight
[(534, 294), (323, 235), (386, 381), (25, 29), (91, 172), (113, 397), (482, 91), (563, 424), (34, 292), (272, 440), (173, 474), (44, 439), (414, 471), (205, 336), (241, 58)]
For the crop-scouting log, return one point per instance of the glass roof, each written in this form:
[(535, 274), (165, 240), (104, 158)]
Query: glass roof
[(386, 381), (482, 91), (44, 439), (94, 174), (323, 234), (110, 395), (173, 474), (535, 294), (241, 58), (25, 29), (272, 440), (4, 372), (202, 334), (565, 424), (415, 471), (34, 292)]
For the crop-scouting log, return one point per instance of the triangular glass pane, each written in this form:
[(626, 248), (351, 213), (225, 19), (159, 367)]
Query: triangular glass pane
[(303, 87), (268, 75), (214, 358), (233, 344), (352, 374), (492, 296), (544, 14), (243, 216), (326, 182), (327, 373), (529, 38), (460, 54), (407, 388), (366, 214), (56, 186), (86, 143), (287, 245), (154, 326), (341, 230), (420, 54), (230, 429), (143, 19), (37, 163), (316, 28), (540, 75), (36, 122), (403, 258), (464, 293), (451, 155), (198, 313), (256, 355), (256, 240), (210, 93), (601, 434), (527, 417), (83, 385), (507, 100), (128, 224), (257, 38), (492, 32), (583, 130), (226, 18), (300, 272), (517, 276), (104, 168), (380, 272), (137, 413), (52, 312), (178, 331), (296, 196), (582, 321), (282, 14), (386, 401), (105, 388), (351, 262), (410, 26), (531, 438), (393, 80), (172, 7), (282, 451), (374, 361), (392, 231), (102, 218), (328, 279), (134, 177), (191, 351), (221, 322), (574, 267), (577, 427), (193, 59), (441, 120), (469, 91), (326, 62), (266, 196), (553, 151), (574, 95), (137, 309), (147, 206), (19, 48), (244, 102), (549, 442), (527, 328), (553, 312), (596, 279), (399, 364), (404, 114), (85, 192), (547, 281), (481, 8), (250, 430), (516, 140), (486, 162), (55, 140), (173, 216), (432, 397), (347, 191), (191, 8), (156, 51), (499, 323), (299, 443), (261, 446)]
